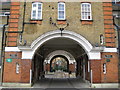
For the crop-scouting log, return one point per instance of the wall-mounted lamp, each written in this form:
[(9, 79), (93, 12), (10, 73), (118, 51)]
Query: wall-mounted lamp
[(60, 28)]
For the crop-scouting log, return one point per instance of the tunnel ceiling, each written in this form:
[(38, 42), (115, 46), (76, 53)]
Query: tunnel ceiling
[(66, 44)]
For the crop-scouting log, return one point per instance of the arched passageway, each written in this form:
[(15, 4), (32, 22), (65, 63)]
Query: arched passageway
[(74, 56), (71, 45), (59, 63)]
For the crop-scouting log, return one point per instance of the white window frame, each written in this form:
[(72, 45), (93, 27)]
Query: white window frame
[(61, 10), (36, 9), (104, 68), (101, 39), (86, 10), (17, 68)]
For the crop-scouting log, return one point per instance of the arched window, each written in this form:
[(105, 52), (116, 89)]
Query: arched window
[(86, 11), (101, 39), (36, 12), (17, 68)]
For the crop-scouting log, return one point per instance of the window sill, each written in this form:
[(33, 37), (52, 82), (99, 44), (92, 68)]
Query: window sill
[(86, 22), (61, 20), (36, 21)]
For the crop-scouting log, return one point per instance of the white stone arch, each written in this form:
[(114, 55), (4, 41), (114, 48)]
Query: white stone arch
[(67, 34), (70, 58), (28, 52)]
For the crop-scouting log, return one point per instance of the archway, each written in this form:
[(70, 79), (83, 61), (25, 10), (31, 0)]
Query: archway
[(28, 52), (70, 50), (59, 62), (70, 42)]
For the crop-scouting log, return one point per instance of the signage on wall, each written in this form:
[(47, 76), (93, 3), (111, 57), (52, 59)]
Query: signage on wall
[(8, 60), (13, 55), (107, 60), (108, 56)]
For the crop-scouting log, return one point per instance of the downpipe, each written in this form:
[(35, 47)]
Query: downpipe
[(3, 48)]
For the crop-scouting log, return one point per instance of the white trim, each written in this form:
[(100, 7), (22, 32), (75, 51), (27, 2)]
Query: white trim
[(17, 85), (94, 55), (105, 85), (61, 10), (70, 58), (28, 52), (110, 50), (12, 49), (66, 34)]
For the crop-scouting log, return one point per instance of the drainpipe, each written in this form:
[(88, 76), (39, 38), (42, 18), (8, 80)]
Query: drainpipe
[(118, 34), (3, 48)]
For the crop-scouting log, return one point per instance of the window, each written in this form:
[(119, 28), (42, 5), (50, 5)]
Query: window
[(36, 11), (101, 39), (115, 1), (86, 11), (104, 68), (17, 68), (61, 11)]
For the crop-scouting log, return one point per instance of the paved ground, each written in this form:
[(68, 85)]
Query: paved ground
[(61, 83), (61, 80)]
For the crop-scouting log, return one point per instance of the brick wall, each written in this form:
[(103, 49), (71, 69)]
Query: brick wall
[(111, 75), (13, 24), (108, 25), (47, 67), (25, 70), (112, 68), (10, 74), (72, 67), (96, 69)]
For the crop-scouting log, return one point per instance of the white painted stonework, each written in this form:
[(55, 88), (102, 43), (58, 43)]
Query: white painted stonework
[(110, 50), (70, 58), (66, 34), (92, 52), (12, 49)]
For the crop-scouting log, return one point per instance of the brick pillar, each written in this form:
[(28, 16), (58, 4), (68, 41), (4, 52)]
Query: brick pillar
[(72, 67), (9, 74), (108, 25), (13, 24), (111, 68), (25, 70), (96, 69)]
